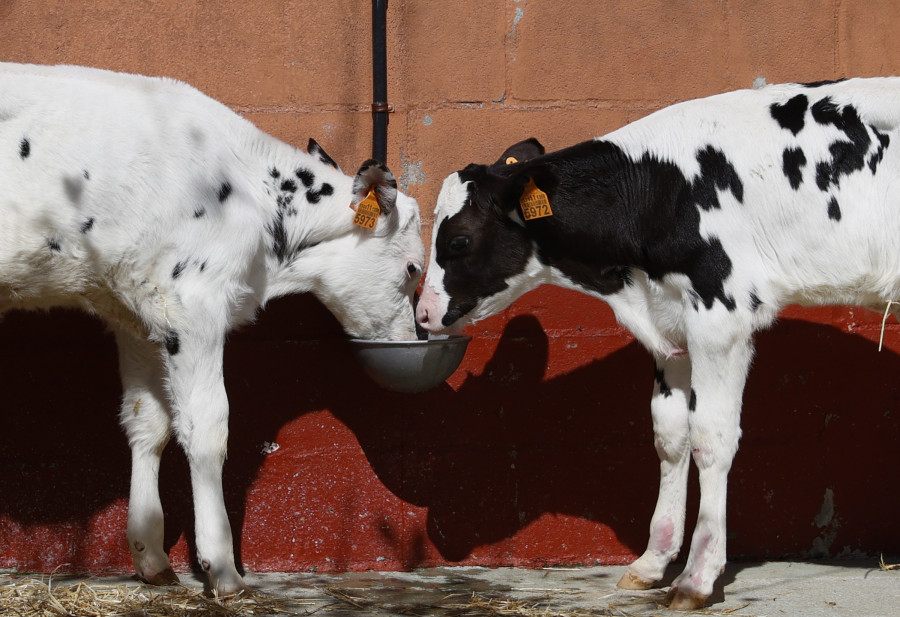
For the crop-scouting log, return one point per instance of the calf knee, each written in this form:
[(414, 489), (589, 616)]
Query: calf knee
[(670, 426), (145, 423), (713, 451)]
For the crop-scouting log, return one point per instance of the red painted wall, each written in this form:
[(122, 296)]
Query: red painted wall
[(539, 449)]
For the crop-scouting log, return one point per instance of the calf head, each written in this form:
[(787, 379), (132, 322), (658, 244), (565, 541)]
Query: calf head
[(367, 277), (482, 257)]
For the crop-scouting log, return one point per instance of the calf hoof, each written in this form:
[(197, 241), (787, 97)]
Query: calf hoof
[(226, 583), (227, 591), (684, 600), (630, 580), (165, 577)]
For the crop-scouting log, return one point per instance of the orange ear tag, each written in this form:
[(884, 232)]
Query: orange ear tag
[(367, 212), (534, 202)]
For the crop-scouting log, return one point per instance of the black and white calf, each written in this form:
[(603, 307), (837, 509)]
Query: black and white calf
[(697, 224), (160, 210)]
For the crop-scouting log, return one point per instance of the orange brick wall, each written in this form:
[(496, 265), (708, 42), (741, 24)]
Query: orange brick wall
[(539, 449)]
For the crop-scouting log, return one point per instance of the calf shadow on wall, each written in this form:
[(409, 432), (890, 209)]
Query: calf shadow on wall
[(508, 447), (821, 416), (821, 422)]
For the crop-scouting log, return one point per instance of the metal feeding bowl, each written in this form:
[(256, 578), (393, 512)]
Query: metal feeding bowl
[(411, 366)]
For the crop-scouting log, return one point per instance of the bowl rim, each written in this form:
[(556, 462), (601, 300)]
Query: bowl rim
[(452, 339)]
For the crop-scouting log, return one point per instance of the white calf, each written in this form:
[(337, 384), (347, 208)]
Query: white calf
[(149, 204), (697, 225)]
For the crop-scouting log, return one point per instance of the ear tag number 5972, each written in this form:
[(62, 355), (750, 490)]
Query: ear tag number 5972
[(534, 202)]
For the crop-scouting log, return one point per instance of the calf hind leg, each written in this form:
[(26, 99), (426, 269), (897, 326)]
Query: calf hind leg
[(669, 408), (146, 420)]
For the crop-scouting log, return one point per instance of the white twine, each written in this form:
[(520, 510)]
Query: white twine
[(887, 310)]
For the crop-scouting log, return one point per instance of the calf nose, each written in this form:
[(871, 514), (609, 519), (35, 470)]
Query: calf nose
[(422, 314), (428, 312)]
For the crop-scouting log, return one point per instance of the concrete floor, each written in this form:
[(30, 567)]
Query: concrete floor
[(796, 589)]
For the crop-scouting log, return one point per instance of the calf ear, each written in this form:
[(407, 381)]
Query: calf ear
[(521, 152), (314, 149), (376, 176), (508, 188)]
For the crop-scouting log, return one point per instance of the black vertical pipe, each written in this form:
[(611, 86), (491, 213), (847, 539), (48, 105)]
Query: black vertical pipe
[(380, 107)]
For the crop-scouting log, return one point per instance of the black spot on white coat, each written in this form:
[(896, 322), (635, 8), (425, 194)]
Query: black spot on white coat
[(660, 377), (716, 174), (278, 231), (314, 197), (224, 191), (306, 177), (24, 148), (87, 225), (277, 227), (793, 162), (692, 404), (178, 269), (834, 209), (173, 342), (791, 115), (755, 302), (847, 155), (883, 142)]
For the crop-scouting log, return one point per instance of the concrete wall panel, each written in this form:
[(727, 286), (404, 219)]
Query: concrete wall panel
[(580, 50)]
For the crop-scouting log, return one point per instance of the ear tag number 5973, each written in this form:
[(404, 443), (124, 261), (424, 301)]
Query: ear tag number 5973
[(367, 212)]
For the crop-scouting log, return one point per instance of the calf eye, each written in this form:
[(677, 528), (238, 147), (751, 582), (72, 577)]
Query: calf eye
[(458, 244), (412, 268)]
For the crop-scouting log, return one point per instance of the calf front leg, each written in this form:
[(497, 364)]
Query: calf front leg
[(718, 377), (669, 408), (200, 407), (146, 419)]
